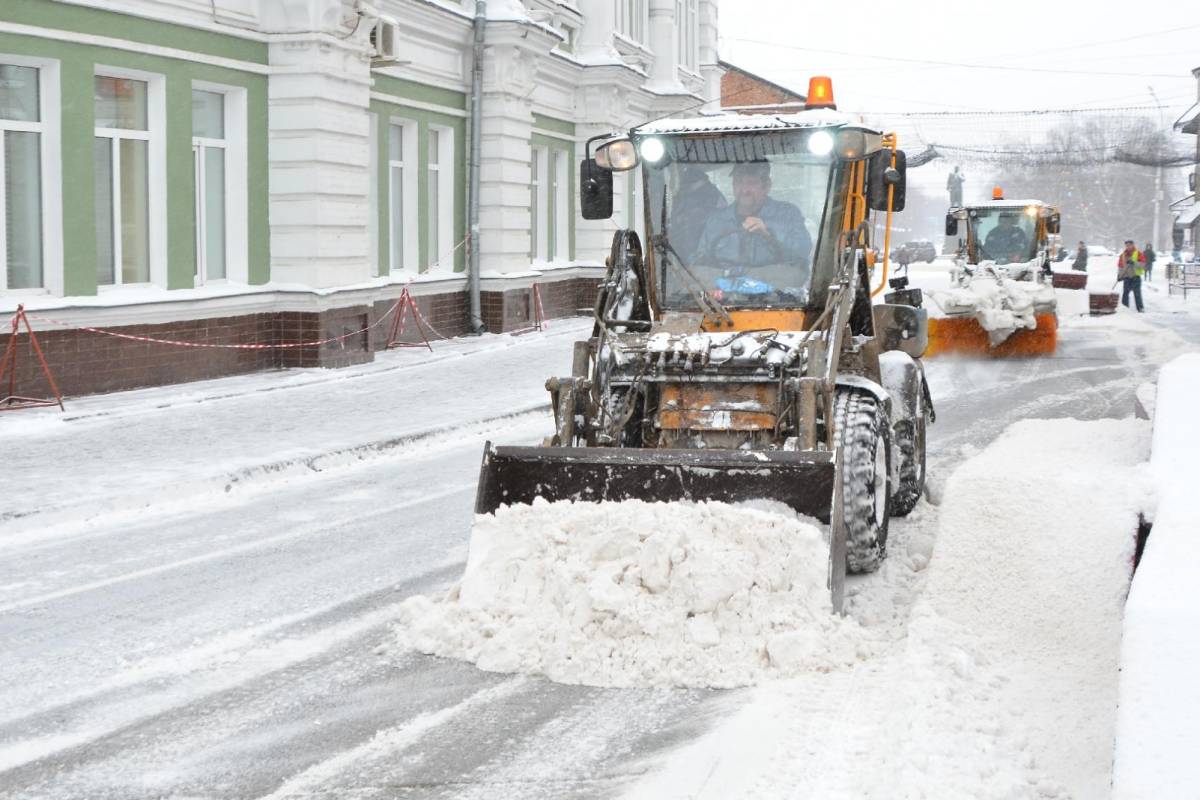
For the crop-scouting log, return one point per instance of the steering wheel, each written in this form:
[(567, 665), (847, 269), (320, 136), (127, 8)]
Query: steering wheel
[(728, 263)]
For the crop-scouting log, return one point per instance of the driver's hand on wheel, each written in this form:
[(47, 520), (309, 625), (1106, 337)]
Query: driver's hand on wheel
[(755, 225)]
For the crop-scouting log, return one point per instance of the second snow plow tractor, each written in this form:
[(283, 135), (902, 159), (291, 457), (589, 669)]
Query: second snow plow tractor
[(736, 355), (1001, 300)]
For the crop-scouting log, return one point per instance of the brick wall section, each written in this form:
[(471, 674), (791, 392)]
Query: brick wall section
[(88, 363), (741, 88), (512, 310)]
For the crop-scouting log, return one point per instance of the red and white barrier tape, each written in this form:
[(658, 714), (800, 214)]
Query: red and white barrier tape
[(210, 346)]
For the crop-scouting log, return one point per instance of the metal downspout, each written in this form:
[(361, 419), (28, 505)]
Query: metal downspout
[(476, 318)]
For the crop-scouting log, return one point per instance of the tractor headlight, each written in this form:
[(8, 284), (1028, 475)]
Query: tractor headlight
[(653, 150), (619, 155), (820, 143), (854, 143)]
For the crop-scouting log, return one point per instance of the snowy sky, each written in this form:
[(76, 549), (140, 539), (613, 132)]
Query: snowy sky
[(1051, 56), (870, 60)]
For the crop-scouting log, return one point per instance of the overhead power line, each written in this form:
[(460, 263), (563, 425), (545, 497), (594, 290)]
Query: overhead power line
[(959, 64)]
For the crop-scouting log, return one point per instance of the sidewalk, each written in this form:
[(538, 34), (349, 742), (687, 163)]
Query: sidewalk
[(115, 452)]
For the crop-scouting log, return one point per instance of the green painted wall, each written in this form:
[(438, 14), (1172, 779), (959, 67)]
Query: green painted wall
[(385, 111), (55, 15), (78, 65), (554, 125)]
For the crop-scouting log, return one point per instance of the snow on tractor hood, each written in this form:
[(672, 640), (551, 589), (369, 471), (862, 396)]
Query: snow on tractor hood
[(764, 351)]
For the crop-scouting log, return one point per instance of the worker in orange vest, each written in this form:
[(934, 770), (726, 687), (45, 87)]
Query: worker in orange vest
[(1131, 265)]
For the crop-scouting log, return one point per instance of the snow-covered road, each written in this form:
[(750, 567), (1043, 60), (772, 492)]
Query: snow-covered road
[(230, 644)]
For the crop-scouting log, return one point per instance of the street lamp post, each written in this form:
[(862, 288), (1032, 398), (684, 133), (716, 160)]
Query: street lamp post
[(1158, 190)]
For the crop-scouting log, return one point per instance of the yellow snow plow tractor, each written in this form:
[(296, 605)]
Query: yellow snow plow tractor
[(1001, 298), (736, 354)]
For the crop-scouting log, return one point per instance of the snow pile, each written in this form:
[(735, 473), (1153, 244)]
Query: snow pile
[(1001, 305), (1158, 730), (1003, 683), (641, 594)]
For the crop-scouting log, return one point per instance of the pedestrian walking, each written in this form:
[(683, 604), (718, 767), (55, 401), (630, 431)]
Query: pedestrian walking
[(1131, 265), (1150, 257), (1080, 262)]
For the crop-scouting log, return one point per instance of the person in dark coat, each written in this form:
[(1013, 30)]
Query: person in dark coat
[(1150, 257), (695, 200), (1080, 262)]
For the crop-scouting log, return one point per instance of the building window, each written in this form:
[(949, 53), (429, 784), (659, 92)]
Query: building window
[(21, 178), (633, 19), (687, 28), (537, 204), (209, 162), (550, 215), (559, 184), (439, 199), (122, 158), (402, 190)]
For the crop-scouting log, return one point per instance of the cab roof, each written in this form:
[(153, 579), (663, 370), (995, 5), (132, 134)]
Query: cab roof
[(730, 123), (1014, 203)]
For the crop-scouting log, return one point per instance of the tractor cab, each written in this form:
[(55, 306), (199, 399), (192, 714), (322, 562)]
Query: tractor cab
[(750, 214), (1014, 234)]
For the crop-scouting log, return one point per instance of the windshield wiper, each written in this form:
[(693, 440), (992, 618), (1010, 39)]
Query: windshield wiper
[(708, 304)]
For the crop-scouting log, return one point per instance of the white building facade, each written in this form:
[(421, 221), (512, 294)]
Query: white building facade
[(279, 170)]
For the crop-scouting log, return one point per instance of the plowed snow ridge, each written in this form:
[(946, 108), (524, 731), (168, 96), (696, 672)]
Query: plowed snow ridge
[(1004, 684)]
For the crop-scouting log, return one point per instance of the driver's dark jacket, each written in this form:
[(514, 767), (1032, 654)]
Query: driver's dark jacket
[(1007, 243), (725, 241)]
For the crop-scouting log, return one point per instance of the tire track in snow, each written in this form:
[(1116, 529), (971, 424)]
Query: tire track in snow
[(386, 744)]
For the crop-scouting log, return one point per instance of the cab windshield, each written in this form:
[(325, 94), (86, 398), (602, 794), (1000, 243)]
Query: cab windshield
[(742, 219), (1003, 235)]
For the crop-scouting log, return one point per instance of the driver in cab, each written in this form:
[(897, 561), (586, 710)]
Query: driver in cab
[(1006, 242), (756, 230)]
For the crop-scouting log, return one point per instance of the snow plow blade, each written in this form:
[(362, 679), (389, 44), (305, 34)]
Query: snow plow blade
[(808, 482), (964, 335)]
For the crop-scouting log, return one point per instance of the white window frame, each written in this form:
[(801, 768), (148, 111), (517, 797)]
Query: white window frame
[(48, 127), (633, 19), (237, 186), (443, 173), (560, 191), (687, 21), (539, 248), (373, 123), (154, 135), (411, 166)]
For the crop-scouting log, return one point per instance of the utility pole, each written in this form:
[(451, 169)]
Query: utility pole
[(1158, 190)]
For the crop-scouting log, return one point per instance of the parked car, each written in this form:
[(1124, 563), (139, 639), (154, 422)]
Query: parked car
[(1099, 251), (920, 251)]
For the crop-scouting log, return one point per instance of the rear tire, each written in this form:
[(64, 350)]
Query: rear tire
[(865, 436), (910, 447)]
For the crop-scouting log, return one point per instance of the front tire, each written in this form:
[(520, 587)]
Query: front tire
[(910, 448), (865, 436)]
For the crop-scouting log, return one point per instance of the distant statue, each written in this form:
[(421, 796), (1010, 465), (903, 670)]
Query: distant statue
[(954, 183)]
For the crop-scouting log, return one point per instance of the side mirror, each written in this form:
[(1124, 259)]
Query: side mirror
[(1053, 224), (595, 190), (951, 225), (881, 175)]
